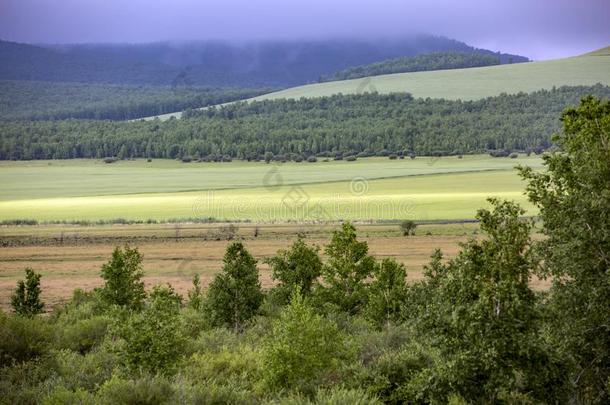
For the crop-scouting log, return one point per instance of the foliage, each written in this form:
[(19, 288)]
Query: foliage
[(419, 63), (346, 270), (573, 195), (299, 267), (196, 294), (302, 348), (26, 299), (482, 314), (153, 340), (388, 293), (368, 123), (235, 295), (123, 279), (408, 227), (22, 338)]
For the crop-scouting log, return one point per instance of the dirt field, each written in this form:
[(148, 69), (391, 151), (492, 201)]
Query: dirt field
[(70, 257)]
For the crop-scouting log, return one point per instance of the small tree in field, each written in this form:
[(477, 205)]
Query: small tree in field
[(408, 227), (349, 265), (387, 293), (123, 276), (298, 267), (26, 299), (235, 294)]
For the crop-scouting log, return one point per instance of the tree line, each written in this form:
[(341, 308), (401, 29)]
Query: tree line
[(30, 100), (348, 328), (366, 124), (419, 63)]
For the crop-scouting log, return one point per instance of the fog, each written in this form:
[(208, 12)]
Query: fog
[(539, 29)]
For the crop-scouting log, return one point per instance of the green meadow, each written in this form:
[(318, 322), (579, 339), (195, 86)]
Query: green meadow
[(466, 84), (369, 189)]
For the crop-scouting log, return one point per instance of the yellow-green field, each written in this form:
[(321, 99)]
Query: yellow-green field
[(445, 188), (466, 84)]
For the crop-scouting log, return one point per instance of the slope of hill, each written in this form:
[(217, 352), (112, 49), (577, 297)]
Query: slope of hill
[(419, 63), (255, 64), (468, 84)]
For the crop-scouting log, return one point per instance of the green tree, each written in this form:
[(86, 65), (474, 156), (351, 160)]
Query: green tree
[(26, 299), (388, 293), (348, 266), (196, 295), (123, 279), (299, 267), (408, 227), (153, 340), (301, 349), (482, 316), (573, 196), (235, 295)]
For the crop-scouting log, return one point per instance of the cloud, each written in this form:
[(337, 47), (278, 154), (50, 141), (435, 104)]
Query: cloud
[(537, 28)]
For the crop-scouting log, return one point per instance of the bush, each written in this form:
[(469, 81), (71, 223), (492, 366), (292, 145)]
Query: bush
[(408, 227), (23, 339), (312, 159), (82, 335), (26, 299), (387, 293), (351, 158), (110, 160), (514, 155), (302, 348), (63, 396), (143, 391), (153, 340), (85, 372)]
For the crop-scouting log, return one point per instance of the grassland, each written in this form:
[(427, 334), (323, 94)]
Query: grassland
[(466, 84), (369, 189)]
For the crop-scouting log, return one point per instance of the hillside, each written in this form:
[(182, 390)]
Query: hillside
[(216, 64), (419, 63), (469, 84)]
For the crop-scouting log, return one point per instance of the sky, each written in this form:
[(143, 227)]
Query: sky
[(539, 29)]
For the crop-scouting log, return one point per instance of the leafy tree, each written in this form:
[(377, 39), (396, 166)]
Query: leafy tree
[(408, 227), (573, 195), (235, 295), (483, 316), (299, 267), (301, 349), (123, 279), (348, 266), (153, 339), (387, 293), (196, 295), (26, 299)]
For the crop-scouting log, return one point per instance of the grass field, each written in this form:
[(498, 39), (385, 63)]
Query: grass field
[(445, 188), (467, 84)]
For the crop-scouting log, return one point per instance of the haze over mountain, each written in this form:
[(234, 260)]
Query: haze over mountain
[(214, 63), (541, 29)]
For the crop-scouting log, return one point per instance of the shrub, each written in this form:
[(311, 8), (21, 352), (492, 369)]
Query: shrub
[(301, 349), (22, 339), (145, 390), (351, 158), (312, 159), (153, 340), (123, 279), (235, 294), (63, 396), (514, 155), (26, 299), (85, 372), (110, 160), (196, 295), (82, 335)]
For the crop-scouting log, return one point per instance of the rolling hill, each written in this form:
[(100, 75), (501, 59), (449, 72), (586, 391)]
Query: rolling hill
[(465, 84)]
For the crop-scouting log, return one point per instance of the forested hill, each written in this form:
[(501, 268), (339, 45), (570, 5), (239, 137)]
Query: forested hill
[(349, 125), (425, 62), (216, 64), (56, 100)]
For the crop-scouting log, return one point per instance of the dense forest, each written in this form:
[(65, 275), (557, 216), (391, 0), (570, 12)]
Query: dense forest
[(345, 328), (364, 125), (419, 63), (212, 64), (31, 100)]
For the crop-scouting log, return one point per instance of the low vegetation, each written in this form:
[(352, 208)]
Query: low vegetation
[(472, 331)]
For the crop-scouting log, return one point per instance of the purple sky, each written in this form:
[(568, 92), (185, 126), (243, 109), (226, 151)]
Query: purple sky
[(540, 29)]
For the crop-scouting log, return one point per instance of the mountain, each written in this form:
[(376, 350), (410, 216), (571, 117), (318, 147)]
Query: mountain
[(219, 64)]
